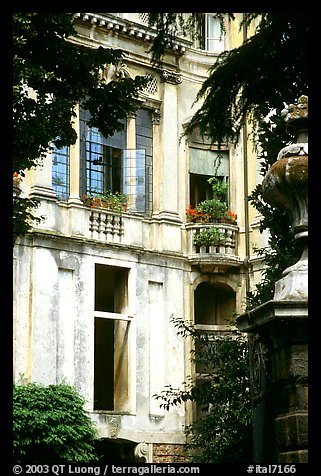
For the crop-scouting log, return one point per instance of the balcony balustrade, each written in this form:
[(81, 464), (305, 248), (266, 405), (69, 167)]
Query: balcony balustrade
[(214, 257), (106, 226)]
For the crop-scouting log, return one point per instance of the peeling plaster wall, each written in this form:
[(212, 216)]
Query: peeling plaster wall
[(60, 327), (54, 266)]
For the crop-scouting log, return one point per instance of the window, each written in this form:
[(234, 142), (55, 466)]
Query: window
[(213, 304), (111, 344), (60, 172), (203, 165), (211, 35), (101, 158), (107, 164), (144, 141)]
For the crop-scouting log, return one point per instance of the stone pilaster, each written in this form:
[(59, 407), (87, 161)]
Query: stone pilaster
[(74, 194), (42, 180), (168, 196)]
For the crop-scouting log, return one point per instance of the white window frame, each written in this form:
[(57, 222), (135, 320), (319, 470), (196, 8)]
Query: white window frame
[(214, 38)]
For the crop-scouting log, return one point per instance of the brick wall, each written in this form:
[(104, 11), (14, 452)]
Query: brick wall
[(166, 453)]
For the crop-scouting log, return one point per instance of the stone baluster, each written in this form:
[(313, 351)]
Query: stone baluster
[(101, 225), (202, 249), (116, 228), (94, 223), (108, 225), (230, 241), (121, 227)]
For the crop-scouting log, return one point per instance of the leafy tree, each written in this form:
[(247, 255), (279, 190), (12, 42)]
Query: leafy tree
[(266, 71), (223, 433), (250, 83), (50, 425), (51, 75), (282, 251)]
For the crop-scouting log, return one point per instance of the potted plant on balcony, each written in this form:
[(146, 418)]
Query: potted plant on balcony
[(117, 202), (209, 237), (212, 210), (16, 180), (230, 217)]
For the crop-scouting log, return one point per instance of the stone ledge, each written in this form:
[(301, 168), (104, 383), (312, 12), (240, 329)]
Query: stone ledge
[(270, 312)]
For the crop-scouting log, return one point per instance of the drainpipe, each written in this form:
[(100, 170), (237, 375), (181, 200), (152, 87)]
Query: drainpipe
[(245, 179)]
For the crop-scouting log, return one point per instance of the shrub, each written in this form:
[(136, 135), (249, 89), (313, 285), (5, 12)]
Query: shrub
[(222, 433), (209, 237), (50, 425)]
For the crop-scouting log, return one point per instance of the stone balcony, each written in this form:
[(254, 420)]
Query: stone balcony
[(214, 258), (98, 225)]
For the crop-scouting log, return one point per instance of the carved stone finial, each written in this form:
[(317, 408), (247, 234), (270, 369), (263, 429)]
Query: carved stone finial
[(296, 118), (286, 185), (297, 111)]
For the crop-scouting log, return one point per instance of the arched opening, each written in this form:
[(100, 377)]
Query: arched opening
[(214, 304), (214, 311)]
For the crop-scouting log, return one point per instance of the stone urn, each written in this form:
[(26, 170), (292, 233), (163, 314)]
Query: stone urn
[(286, 185)]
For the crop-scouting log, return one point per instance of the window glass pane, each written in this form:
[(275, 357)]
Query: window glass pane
[(101, 161), (134, 184), (107, 164), (144, 159), (213, 39), (60, 172)]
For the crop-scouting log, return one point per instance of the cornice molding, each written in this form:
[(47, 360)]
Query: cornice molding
[(129, 29)]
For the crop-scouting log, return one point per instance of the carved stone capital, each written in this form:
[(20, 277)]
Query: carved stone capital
[(171, 77), (156, 117)]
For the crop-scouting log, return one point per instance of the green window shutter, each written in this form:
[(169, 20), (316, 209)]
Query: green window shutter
[(204, 162)]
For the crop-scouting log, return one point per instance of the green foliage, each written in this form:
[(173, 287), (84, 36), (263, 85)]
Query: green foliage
[(212, 208), (265, 72), (250, 82), (50, 425), (282, 250), (223, 433), (171, 25), (113, 201), (270, 68), (23, 218), (219, 188), (61, 75), (208, 237)]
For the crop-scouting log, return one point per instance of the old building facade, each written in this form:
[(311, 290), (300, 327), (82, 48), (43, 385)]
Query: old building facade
[(95, 291)]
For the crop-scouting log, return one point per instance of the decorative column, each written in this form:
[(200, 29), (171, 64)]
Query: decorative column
[(278, 329)]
